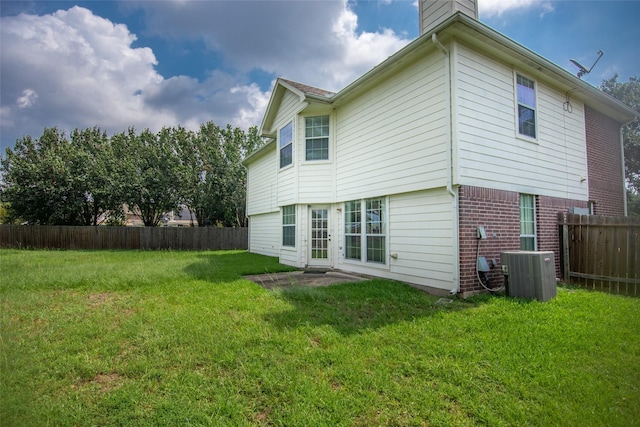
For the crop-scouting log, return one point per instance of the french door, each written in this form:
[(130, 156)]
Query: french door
[(320, 237)]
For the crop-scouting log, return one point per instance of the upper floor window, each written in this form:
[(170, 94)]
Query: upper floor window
[(526, 93), (286, 145), (317, 138)]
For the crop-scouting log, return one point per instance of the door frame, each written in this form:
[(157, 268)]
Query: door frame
[(320, 262)]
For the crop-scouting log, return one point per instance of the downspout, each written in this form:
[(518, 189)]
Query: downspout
[(449, 172)]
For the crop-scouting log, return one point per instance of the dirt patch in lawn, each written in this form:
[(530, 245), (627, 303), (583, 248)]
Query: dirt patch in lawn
[(311, 279)]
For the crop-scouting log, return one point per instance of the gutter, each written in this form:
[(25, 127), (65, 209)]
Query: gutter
[(259, 150)]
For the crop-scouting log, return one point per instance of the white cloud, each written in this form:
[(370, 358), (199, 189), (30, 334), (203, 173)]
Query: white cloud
[(79, 67), (74, 69), (27, 99), (315, 42), (357, 53), (491, 8)]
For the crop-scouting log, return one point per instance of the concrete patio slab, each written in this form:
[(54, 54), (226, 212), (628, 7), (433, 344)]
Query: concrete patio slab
[(311, 279)]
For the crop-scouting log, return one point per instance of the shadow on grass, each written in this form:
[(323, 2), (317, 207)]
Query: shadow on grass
[(225, 266), (348, 308), (353, 307)]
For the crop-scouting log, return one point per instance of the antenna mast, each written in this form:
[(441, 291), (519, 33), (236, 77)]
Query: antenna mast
[(582, 68)]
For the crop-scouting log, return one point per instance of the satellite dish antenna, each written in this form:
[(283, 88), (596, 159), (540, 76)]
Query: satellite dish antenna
[(582, 68)]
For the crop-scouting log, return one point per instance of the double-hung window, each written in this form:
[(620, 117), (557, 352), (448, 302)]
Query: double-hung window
[(528, 222), (526, 93), (353, 230), (286, 145), (366, 235), (317, 138), (289, 226)]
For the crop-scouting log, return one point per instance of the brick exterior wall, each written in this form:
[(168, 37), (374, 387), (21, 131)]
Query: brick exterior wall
[(604, 160), (499, 213)]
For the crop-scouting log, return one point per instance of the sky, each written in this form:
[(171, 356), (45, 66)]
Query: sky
[(155, 63)]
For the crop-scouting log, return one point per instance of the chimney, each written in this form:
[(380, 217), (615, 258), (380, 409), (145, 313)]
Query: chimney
[(433, 12)]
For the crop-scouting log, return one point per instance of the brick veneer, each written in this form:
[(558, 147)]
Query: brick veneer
[(499, 213), (604, 160)]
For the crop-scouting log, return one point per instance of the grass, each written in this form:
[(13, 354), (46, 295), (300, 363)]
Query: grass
[(179, 338)]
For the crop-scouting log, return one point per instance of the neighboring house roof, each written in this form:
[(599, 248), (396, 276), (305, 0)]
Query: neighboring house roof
[(473, 32)]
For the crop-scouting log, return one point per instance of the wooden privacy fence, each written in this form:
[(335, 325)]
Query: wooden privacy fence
[(601, 253), (103, 237)]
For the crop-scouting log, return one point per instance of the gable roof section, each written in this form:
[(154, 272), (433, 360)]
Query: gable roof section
[(306, 93), (308, 90)]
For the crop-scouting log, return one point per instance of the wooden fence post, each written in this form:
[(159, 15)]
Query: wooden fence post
[(566, 269)]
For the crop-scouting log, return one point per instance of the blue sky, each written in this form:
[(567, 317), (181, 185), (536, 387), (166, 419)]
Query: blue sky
[(148, 64)]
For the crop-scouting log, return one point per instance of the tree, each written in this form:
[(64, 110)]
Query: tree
[(86, 180), (94, 168), (37, 182), (53, 180), (629, 94), (217, 178), (150, 170)]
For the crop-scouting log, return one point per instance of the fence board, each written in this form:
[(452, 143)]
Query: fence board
[(104, 237), (602, 252)]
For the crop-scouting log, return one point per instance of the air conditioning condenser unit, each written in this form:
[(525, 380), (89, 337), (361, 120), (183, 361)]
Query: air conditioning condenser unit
[(529, 274)]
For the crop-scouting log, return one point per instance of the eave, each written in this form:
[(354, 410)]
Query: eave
[(297, 89), (464, 28)]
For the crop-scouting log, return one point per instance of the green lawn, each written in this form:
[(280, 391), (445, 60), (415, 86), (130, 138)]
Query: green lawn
[(179, 338)]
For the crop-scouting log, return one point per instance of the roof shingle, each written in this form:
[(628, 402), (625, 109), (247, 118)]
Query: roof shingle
[(309, 89)]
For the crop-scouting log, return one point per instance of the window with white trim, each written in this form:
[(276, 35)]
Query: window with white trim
[(528, 238), (526, 93), (289, 226), (286, 145), (317, 138), (353, 230), (366, 235)]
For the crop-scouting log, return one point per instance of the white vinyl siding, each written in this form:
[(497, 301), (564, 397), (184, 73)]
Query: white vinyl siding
[(262, 183), (315, 179), (433, 13), (315, 183), (420, 234), (489, 152), (288, 108), (264, 232), (394, 136)]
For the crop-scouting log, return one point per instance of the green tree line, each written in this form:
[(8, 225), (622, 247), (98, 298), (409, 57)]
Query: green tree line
[(629, 94), (87, 177)]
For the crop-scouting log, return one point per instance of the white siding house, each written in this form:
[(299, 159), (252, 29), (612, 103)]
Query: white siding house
[(390, 176)]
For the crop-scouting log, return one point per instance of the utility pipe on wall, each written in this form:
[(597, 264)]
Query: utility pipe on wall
[(448, 68)]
